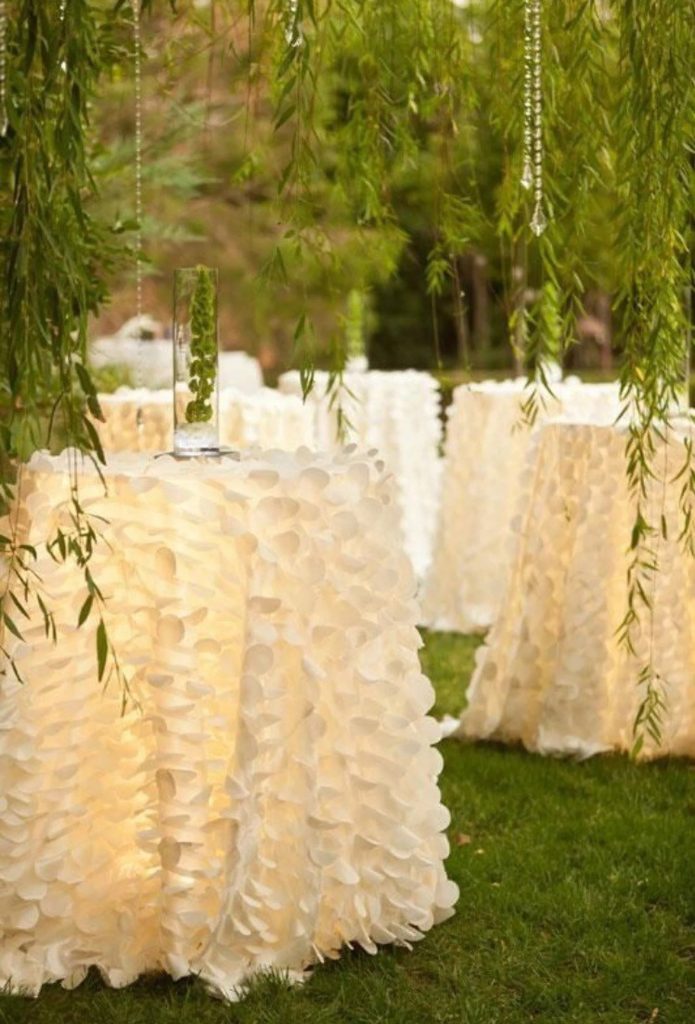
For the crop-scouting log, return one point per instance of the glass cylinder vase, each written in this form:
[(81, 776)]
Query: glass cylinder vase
[(196, 370)]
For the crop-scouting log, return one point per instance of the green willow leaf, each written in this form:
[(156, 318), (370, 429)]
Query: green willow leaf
[(85, 610), (19, 606), (102, 649), (11, 626)]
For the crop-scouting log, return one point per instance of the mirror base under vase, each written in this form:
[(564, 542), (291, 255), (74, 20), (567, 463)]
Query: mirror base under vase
[(202, 453)]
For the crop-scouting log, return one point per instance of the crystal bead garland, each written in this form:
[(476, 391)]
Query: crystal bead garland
[(137, 49), (4, 124), (532, 175), (527, 173), (293, 29)]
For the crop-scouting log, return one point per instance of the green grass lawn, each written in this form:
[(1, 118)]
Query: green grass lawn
[(577, 907)]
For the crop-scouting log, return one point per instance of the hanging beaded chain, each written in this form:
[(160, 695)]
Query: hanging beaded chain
[(61, 14), (137, 47), (532, 174), (4, 123), (527, 173), (293, 29)]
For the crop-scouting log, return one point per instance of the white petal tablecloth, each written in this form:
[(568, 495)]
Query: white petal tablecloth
[(265, 419), (396, 412), (552, 673), (152, 363), (485, 450), (273, 795)]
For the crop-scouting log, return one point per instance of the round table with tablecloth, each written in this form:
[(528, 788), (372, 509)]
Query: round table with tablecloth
[(396, 413), (553, 673), (487, 441), (269, 793)]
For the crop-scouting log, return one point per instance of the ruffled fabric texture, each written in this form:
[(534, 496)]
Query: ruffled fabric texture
[(398, 414), (552, 674), (264, 419), (486, 446), (270, 793)]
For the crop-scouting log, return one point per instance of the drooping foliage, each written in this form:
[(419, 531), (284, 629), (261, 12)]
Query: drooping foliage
[(655, 171), (53, 254), (53, 260)]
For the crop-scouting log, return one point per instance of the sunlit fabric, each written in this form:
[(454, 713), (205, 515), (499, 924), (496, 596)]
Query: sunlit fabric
[(270, 793), (397, 413), (487, 442), (553, 674)]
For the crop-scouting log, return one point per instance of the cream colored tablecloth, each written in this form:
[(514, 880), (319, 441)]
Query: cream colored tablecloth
[(397, 413), (265, 419), (273, 795), (552, 673), (486, 446)]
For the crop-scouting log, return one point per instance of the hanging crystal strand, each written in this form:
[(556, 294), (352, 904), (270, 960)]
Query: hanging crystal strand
[(539, 221), (527, 173), (61, 13), (4, 124), (293, 28), (137, 47)]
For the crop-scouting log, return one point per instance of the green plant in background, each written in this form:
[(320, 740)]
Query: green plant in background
[(356, 324), (110, 378), (544, 332), (203, 366)]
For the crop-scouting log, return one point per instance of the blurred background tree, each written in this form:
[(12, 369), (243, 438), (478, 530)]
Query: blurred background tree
[(306, 166), (433, 228)]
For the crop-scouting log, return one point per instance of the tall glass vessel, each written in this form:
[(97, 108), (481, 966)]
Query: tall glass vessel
[(196, 372)]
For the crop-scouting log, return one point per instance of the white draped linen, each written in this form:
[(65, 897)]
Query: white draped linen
[(270, 792), (265, 419), (398, 413), (552, 673), (152, 362), (487, 441)]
